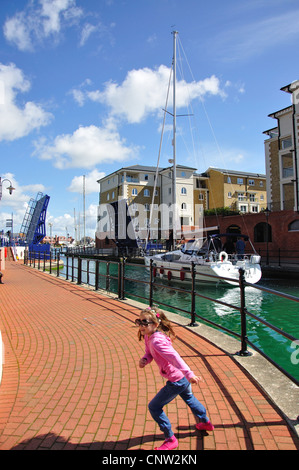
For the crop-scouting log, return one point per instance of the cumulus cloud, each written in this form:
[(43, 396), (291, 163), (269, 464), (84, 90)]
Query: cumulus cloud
[(85, 148), (39, 21), (17, 121), (143, 92), (91, 185)]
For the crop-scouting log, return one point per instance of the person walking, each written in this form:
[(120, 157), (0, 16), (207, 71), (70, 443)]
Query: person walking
[(157, 332)]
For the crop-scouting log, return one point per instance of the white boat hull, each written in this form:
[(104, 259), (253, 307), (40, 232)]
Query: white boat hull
[(181, 269)]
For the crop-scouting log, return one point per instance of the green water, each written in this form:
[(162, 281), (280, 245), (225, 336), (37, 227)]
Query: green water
[(280, 312)]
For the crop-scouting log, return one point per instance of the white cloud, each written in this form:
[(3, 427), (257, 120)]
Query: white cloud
[(91, 185), (259, 36), (16, 121), (144, 92), (39, 21), (85, 148)]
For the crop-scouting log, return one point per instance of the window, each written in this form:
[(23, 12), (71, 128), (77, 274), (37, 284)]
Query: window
[(146, 206), (113, 194), (146, 193), (240, 180), (243, 208), (262, 232), (261, 184), (183, 174), (201, 197), (184, 206), (145, 177), (294, 226), (183, 191), (229, 180), (252, 197), (108, 197), (251, 182), (169, 190), (254, 209), (229, 194), (286, 143), (134, 192)]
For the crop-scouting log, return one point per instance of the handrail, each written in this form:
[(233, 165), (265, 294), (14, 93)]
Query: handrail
[(121, 278)]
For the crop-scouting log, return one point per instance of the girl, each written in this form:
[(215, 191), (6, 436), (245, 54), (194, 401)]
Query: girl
[(157, 331)]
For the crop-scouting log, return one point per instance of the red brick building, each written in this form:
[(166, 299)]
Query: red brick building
[(283, 232)]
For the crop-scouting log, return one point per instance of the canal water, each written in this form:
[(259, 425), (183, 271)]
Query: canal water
[(278, 311)]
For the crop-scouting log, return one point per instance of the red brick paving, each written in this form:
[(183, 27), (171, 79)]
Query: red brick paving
[(71, 378)]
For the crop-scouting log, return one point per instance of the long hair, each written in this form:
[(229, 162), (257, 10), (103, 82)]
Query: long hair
[(158, 316)]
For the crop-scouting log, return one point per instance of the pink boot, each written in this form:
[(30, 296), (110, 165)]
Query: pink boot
[(205, 426), (169, 444)]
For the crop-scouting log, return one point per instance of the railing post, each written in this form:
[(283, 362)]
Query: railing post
[(58, 259), (96, 282), (151, 284), (243, 351), (79, 262), (193, 275), (107, 276), (119, 279), (72, 268), (122, 295)]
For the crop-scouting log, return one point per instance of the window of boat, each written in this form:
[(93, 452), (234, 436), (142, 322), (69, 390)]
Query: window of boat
[(171, 257)]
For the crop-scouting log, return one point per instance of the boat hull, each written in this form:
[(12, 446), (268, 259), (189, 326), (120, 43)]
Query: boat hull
[(206, 271)]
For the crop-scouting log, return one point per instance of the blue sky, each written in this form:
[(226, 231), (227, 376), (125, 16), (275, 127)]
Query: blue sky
[(83, 84)]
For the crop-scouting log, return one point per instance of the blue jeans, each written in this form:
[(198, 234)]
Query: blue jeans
[(166, 395)]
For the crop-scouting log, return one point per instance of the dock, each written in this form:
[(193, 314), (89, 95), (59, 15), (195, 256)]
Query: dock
[(71, 381)]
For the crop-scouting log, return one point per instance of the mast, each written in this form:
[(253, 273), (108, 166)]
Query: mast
[(175, 33)]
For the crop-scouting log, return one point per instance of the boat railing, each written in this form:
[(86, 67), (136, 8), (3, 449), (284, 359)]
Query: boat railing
[(99, 274)]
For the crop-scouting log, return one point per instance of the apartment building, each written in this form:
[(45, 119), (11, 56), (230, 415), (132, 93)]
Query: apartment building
[(148, 192), (240, 191), (281, 153)]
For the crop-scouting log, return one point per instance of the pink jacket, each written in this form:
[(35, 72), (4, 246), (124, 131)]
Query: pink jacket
[(158, 346)]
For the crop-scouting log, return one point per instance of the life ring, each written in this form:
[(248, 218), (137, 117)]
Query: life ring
[(223, 256), (182, 275), (169, 275)]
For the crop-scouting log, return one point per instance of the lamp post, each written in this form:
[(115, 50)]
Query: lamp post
[(267, 213), (10, 188)]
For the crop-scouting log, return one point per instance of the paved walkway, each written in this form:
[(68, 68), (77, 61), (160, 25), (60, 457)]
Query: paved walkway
[(71, 378)]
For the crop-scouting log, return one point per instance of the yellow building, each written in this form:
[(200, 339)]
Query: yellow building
[(240, 191), (281, 151)]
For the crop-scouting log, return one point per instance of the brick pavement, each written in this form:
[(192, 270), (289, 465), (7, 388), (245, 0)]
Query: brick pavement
[(71, 378)]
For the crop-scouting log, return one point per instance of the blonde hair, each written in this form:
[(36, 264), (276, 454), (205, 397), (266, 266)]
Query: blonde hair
[(159, 318)]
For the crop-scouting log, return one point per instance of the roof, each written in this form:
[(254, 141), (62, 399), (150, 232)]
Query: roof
[(234, 172), (143, 168)]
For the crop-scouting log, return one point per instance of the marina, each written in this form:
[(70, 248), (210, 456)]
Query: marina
[(218, 304), (70, 378)]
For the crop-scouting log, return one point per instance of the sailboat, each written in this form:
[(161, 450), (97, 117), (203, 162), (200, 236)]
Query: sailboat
[(211, 262)]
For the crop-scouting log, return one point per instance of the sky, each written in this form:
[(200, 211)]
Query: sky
[(83, 86)]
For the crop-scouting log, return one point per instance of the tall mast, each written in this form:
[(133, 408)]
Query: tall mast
[(174, 216)]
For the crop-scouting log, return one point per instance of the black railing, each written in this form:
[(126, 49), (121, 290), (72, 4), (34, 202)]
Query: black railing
[(74, 271)]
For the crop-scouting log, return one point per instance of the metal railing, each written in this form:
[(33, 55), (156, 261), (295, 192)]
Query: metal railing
[(74, 270)]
